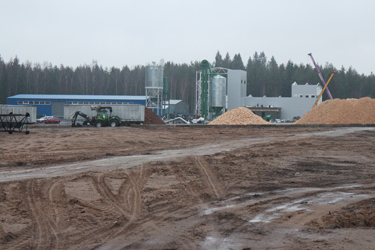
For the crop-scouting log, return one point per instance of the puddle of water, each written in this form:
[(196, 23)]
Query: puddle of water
[(211, 210), (330, 197), (80, 167), (243, 196), (303, 204), (264, 218)]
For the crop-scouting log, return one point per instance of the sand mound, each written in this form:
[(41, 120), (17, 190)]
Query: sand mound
[(337, 111), (239, 116)]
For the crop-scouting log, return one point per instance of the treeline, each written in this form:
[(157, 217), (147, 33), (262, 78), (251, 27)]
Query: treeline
[(268, 78), (265, 77)]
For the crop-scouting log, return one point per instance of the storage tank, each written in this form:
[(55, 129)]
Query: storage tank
[(218, 91), (154, 76)]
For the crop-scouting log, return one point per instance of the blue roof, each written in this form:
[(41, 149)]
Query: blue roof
[(81, 97)]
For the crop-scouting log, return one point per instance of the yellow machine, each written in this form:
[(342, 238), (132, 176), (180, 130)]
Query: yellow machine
[(321, 93)]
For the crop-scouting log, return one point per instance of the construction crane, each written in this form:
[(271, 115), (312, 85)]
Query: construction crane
[(326, 86), (321, 77)]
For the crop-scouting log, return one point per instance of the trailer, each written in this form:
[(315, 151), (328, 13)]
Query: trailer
[(128, 113), (19, 109)]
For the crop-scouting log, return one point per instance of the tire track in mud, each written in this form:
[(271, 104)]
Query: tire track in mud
[(135, 204), (106, 192), (103, 232), (208, 177), (136, 184), (41, 222), (271, 205), (56, 188), (184, 180), (25, 238), (132, 196)]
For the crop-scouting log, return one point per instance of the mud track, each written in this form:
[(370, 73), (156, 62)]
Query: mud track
[(277, 189)]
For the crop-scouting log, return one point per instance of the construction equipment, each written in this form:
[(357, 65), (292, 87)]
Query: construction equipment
[(86, 117), (103, 118), (321, 93), (267, 118), (321, 77), (14, 122)]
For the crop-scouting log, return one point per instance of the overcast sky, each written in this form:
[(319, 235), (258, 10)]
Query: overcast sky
[(137, 32)]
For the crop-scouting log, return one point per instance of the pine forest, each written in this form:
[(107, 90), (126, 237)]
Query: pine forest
[(265, 77)]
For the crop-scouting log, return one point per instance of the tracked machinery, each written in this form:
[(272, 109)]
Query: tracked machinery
[(103, 118)]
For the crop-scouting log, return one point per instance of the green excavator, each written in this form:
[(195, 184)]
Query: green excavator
[(103, 118)]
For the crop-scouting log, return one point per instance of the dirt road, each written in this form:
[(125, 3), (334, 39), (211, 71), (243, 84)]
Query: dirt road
[(188, 188)]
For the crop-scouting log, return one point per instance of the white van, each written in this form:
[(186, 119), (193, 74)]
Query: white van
[(42, 119)]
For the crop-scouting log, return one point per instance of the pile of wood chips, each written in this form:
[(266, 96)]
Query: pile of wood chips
[(152, 118), (239, 116), (337, 111)]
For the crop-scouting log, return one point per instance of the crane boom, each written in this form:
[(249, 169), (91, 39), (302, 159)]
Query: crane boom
[(321, 93), (321, 77)]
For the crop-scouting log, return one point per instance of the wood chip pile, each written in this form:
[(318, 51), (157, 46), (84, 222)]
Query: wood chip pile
[(152, 118), (239, 116), (338, 111)]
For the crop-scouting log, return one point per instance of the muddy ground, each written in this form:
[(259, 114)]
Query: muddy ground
[(165, 187)]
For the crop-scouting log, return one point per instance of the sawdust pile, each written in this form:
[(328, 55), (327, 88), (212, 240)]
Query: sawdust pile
[(239, 116), (338, 111)]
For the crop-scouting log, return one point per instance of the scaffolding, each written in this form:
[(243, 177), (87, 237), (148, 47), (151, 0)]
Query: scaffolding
[(154, 99), (198, 89), (154, 87)]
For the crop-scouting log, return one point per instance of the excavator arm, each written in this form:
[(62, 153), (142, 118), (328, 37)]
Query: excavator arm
[(75, 116)]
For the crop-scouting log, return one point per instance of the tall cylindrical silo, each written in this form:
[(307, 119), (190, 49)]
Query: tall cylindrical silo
[(154, 76), (218, 91)]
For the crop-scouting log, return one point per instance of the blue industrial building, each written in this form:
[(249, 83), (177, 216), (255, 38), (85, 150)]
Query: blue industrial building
[(54, 104)]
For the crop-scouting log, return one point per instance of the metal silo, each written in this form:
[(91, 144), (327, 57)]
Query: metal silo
[(154, 87), (218, 91), (154, 76)]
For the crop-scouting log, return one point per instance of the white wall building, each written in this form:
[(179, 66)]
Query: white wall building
[(236, 90), (302, 100)]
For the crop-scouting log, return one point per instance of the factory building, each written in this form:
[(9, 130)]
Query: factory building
[(226, 90), (302, 100), (236, 88), (54, 104), (175, 107)]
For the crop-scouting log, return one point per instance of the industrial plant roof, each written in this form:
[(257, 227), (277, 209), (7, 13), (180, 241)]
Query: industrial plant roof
[(81, 97), (172, 102)]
